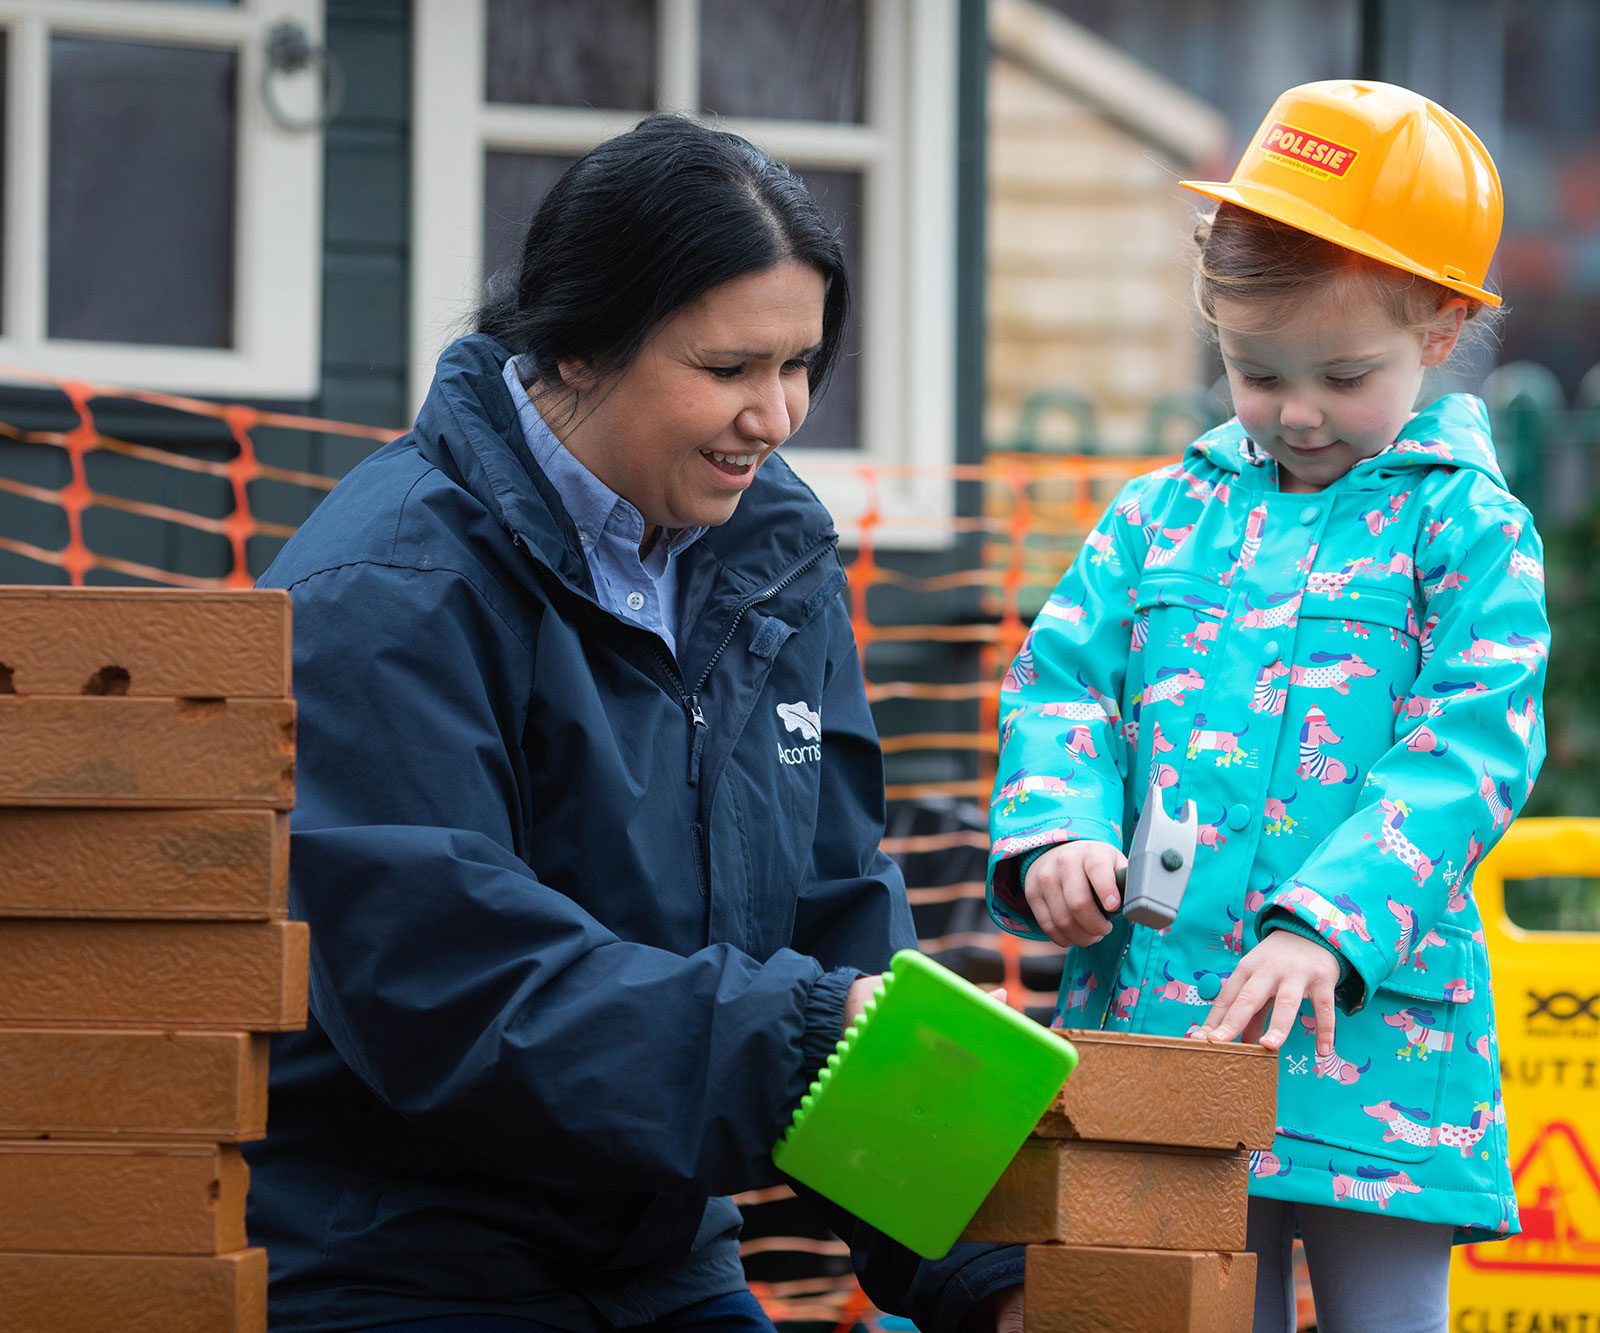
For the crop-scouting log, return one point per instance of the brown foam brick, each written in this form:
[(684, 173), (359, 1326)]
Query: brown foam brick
[(1130, 1088), (1093, 1289), (146, 752), (138, 1085), (1066, 1193), (96, 1198), (150, 642), (186, 864), (116, 1293), (154, 974)]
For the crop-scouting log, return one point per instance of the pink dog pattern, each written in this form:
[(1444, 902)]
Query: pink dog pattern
[(1373, 1184), (1016, 789), (1395, 843), (1268, 696), (1224, 744), (1277, 817), (1315, 736), (1405, 1124), (1333, 671), (1264, 1164), (1334, 916), (1418, 1025)]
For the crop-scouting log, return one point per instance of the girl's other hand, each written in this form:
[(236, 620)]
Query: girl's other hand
[(1280, 971), (1072, 887)]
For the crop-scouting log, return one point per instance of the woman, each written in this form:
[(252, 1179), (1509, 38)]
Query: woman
[(589, 796)]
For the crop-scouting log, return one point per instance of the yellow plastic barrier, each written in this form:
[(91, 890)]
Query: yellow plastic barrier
[(1547, 1007)]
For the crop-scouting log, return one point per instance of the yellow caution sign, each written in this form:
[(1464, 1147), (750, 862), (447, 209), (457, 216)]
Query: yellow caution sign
[(1547, 1010)]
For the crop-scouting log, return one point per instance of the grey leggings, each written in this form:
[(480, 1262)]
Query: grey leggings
[(1369, 1273)]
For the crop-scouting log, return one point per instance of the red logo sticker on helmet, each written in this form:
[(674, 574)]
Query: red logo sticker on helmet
[(1307, 149)]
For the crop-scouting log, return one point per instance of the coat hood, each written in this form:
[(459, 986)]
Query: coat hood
[(1453, 432)]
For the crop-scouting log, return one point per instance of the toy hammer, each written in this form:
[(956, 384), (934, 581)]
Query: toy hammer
[(1159, 861)]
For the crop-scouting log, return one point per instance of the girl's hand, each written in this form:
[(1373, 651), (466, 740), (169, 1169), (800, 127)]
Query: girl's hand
[(1280, 971), (1070, 889)]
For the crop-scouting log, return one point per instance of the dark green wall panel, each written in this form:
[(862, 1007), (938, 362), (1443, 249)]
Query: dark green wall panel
[(366, 204), (365, 344)]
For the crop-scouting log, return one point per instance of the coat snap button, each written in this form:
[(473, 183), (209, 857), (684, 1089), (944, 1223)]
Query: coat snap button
[(1238, 817), (1308, 515), (1208, 986), (635, 601), (1270, 650)]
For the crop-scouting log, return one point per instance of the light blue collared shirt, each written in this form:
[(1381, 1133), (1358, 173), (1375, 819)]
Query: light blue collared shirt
[(643, 591)]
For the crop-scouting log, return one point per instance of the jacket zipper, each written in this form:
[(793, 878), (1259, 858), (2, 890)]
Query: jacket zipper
[(690, 699)]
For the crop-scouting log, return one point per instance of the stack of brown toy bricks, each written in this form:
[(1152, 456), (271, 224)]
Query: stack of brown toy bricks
[(1130, 1195), (146, 764)]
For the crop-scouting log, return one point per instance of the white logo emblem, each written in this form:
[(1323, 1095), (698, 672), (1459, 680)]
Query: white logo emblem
[(800, 717)]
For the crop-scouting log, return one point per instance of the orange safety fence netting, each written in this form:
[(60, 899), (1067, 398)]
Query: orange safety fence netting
[(936, 630)]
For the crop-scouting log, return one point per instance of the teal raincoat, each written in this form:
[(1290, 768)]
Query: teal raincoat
[(1348, 684)]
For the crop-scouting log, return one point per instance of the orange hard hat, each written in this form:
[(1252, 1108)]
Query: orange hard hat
[(1380, 170)]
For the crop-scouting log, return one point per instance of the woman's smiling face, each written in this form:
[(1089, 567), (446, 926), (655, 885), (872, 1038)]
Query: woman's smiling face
[(681, 432), (1332, 384)]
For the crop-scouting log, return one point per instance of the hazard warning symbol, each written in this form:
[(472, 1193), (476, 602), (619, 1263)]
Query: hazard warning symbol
[(1547, 1014), (1558, 1195)]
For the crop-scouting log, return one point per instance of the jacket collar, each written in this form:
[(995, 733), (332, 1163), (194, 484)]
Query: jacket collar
[(469, 422), (1453, 432)]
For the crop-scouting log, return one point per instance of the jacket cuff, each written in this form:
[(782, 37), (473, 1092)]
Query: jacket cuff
[(984, 1277), (1350, 988), (1008, 907), (824, 1018)]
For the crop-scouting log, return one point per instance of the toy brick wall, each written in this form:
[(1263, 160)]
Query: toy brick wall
[(148, 743), (1131, 1193)]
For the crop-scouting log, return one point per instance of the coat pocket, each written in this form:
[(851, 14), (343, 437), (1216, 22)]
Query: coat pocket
[(1198, 598), (1363, 607), (1411, 1029), (1177, 619), (1356, 655)]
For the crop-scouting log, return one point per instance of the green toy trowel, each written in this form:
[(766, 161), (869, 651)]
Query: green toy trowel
[(923, 1105)]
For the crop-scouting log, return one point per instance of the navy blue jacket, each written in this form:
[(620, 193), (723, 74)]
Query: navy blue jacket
[(583, 916)]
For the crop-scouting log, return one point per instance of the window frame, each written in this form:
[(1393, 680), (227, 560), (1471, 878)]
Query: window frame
[(905, 149), (277, 239)]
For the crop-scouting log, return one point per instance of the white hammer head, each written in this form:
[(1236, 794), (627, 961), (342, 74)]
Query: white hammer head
[(1159, 862)]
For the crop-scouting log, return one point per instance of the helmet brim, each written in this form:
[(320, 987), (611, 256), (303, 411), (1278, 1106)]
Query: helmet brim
[(1293, 211)]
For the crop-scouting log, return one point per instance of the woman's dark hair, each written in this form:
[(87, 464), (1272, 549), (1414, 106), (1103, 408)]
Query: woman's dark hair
[(642, 225)]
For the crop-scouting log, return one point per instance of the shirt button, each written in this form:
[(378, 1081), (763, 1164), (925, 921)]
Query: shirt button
[(1270, 650), (635, 601), (1308, 515), (1238, 817), (1208, 986)]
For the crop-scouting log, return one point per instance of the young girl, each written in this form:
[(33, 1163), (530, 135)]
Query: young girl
[(1326, 626)]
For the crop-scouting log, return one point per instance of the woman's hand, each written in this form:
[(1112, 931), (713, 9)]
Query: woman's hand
[(1001, 1313), (1068, 887), (1280, 971), (862, 989)]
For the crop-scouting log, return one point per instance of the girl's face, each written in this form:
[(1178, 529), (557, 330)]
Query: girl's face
[(1331, 385), (682, 431)]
